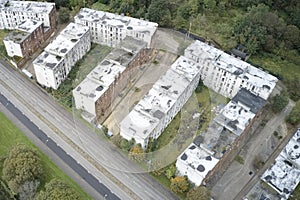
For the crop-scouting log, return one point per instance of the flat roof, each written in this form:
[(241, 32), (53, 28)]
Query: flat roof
[(247, 98), (239, 112), (67, 39), (240, 68), (119, 21), (158, 101), (23, 30), (99, 79), (27, 6), (195, 163), (284, 174), (127, 51), (48, 60)]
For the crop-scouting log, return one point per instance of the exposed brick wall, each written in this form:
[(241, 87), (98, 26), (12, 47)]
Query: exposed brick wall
[(104, 103), (217, 172)]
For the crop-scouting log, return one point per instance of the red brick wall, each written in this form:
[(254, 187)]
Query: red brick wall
[(104, 103)]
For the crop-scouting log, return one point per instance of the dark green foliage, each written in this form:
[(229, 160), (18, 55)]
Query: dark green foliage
[(199, 87), (64, 15), (126, 145), (158, 11), (22, 166), (280, 102)]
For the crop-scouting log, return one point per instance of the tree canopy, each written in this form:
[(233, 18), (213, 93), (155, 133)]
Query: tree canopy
[(199, 193), (22, 166), (57, 189), (179, 184)]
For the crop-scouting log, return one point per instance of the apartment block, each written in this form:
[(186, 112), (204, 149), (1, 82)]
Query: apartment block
[(160, 105), (206, 155), (96, 93), (25, 39), (54, 64), (226, 74), (13, 13), (284, 175), (110, 29)]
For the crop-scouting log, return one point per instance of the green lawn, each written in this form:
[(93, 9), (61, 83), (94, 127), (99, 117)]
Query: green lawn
[(11, 135), (3, 33)]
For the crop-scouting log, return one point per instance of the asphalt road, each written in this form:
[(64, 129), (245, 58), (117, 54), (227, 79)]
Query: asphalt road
[(96, 155), (82, 172)]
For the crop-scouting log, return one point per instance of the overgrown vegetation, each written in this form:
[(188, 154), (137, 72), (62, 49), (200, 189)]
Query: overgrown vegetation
[(279, 102), (294, 116), (239, 159), (39, 171)]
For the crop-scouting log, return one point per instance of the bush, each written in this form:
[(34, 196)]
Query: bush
[(294, 117), (280, 102)]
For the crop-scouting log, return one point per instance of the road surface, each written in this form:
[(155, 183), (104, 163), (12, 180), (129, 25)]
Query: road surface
[(82, 172), (97, 156)]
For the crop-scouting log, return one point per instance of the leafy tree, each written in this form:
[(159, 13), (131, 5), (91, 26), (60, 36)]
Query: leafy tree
[(170, 172), (126, 145), (199, 193), (64, 15), (294, 116), (28, 190), (159, 12), (292, 36), (22, 166), (280, 102), (57, 189), (137, 153), (179, 184)]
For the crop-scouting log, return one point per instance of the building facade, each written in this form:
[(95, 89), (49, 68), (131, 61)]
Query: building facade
[(205, 157), (110, 29), (160, 105), (25, 40), (95, 95), (54, 64), (226, 74), (13, 13), (284, 175)]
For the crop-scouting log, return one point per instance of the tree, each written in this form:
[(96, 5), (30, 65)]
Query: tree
[(64, 15), (292, 36), (137, 153), (170, 172), (280, 102), (179, 184), (57, 189), (159, 12), (199, 193), (22, 166)]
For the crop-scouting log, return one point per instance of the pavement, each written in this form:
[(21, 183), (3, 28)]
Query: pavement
[(240, 178), (100, 158)]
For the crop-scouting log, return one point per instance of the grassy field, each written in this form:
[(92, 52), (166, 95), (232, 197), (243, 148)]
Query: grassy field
[(3, 33), (11, 135)]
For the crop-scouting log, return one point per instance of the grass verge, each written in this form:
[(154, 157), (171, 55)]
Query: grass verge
[(11, 135)]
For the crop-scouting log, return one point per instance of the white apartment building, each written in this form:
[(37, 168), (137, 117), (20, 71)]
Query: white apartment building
[(22, 41), (210, 146), (97, 82), (284, 175), (110, 29), (12, 13), (226, 74), (195, 163), (54, 64), (159, 106)]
